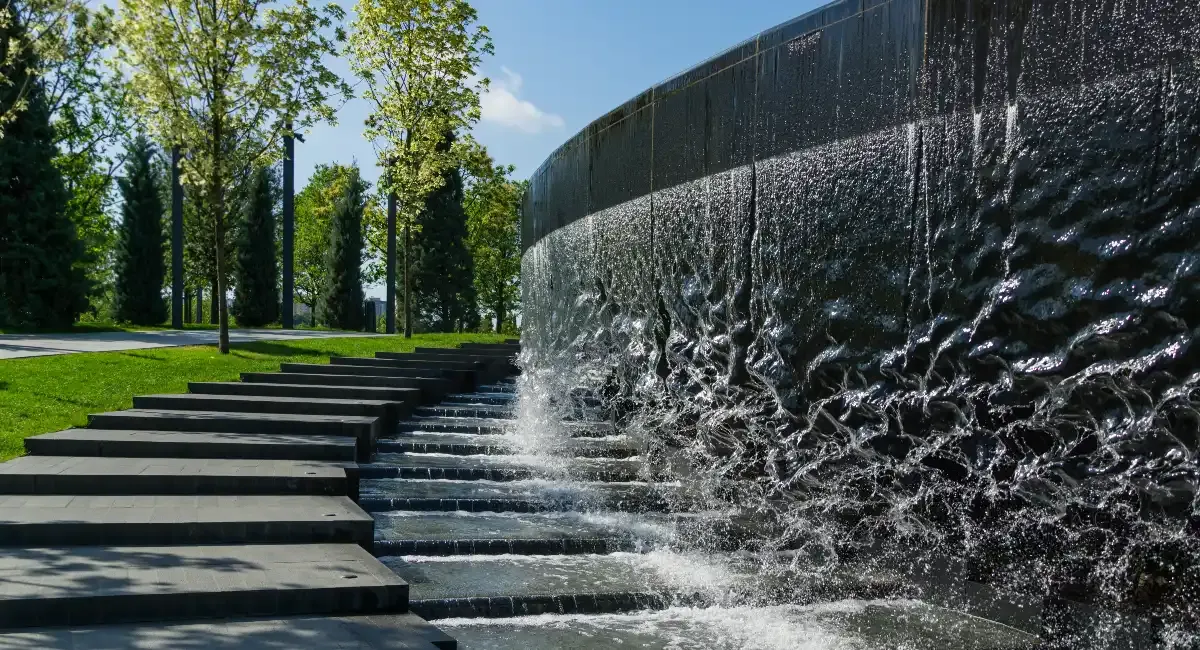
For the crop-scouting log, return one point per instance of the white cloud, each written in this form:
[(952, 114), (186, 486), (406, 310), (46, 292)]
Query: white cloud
[(501, 105)]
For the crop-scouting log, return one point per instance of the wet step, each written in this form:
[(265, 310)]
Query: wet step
[(191, 444), (80, 585), (470, 444), (467, 399), (432, 390), (496, 533), (517, 585), (532, 495), (496, 468), (499, 388), (366, 632), (91, 475), (364, 429), (858, 624), (73, 520), (504, 353), (484, 411), (486, 426)]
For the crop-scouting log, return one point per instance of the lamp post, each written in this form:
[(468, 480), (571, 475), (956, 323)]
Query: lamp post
[(176, 241), (289, 226)]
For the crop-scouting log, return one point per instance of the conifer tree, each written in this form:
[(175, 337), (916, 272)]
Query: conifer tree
[(140, 268), (444, 268), (41, 283), (256, 288), (341, 301)]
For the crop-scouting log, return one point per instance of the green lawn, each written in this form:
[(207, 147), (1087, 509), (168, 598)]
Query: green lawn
[(43, 394)]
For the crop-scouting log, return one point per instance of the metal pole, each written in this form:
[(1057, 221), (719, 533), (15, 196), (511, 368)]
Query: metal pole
[(391, 263), (176, 242), (289, 227)]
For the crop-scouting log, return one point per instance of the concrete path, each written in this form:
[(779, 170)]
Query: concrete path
[(14, 346)]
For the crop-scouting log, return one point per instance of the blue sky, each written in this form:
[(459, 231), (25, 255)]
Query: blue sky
[(559, 64)]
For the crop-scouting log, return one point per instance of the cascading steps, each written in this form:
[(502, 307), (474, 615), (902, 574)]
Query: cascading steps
[(237, 501)]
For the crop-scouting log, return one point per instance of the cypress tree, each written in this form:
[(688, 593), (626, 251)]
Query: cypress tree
[(445, 271), (42, 283), (341, 301), (256, 292), (140, 268)]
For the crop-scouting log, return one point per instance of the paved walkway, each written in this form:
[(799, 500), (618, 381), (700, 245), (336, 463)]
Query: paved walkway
[(13, 346)]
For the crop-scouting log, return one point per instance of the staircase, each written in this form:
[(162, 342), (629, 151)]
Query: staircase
[(230, 516)]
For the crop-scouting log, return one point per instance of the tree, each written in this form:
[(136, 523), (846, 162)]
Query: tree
[(256, 286), (222, 78), (418, 59), (493, 206), (443, 269), (342, 297), (140, 269), (314, 208), (41, 284)]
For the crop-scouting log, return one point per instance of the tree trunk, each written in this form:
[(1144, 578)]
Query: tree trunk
[(500, 315), (214, 316)]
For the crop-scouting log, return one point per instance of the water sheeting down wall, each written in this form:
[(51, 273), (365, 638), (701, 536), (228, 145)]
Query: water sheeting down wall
[(908, 274)]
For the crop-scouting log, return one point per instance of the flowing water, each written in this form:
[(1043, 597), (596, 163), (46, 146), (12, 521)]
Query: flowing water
[(958, 350)]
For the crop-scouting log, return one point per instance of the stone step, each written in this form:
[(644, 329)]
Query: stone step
[(495, 399), (859, 625), (494, 426), (432, 390), (498, 388), (366, 632), (400, 361), (468, 444), (191, 444), (464, 352), (499, 412), (463, 378), (496, 468), (364, 429), (84, 585), (386, 411), (515, 585), (494, 533), (154, 476), (71, 520), (504, 347), (331, 369), (404, 399), (535, 495)]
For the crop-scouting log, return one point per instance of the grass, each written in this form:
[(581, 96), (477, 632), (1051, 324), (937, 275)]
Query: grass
[(43, 394)]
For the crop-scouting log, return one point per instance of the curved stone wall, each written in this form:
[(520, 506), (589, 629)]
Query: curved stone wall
[(908, 273)]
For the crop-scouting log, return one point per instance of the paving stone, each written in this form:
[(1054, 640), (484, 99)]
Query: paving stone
[(368, 632), (154, 476), (76, 520), (84, 585), (191, 444), (432, 390), (365, 429)]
